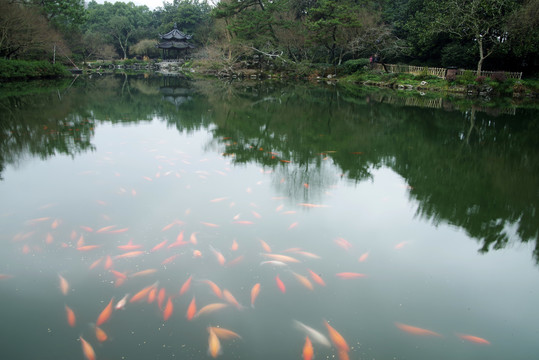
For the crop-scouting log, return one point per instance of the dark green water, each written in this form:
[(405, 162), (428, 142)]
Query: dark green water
[(433, 202)]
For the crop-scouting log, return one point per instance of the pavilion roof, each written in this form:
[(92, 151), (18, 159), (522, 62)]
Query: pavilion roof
[(175, 34), (175, 45)]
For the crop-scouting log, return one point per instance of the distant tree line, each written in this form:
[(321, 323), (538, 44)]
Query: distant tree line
[(489, 34)]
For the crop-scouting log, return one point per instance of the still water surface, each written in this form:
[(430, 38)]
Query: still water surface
[(411, 231)]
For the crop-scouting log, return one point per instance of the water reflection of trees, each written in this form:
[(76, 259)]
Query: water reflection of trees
[(467, 168), (464, 167)]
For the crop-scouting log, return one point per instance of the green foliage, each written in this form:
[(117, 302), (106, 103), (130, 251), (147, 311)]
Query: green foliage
[(21, 69), (467, 78), (352, 66)]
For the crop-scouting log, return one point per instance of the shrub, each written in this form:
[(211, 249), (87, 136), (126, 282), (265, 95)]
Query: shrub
[(480, 79), (498, 76), (20, 69), (352, 66)]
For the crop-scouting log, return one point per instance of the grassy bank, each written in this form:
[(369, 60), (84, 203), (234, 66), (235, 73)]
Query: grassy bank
[(23, 70)]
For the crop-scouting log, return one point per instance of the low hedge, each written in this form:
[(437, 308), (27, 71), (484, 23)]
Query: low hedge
[(22, 69)]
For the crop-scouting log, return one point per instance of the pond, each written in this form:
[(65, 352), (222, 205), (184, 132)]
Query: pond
[(143, 217)]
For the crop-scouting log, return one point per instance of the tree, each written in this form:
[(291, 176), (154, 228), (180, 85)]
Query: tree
[(146, 47), (482, 22), (121, 24), (25, 32)]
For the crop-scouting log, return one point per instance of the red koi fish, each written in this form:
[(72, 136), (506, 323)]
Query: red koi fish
[(316, 278), (87, 349), (179, 241), (474, 339), (191, 310), (223, 333), (254, 293), (186, 285), (216, 290), (71, 319), (280, 284), (308, 351), (337, 339), (214, 345), (350, 275), (142, 293), (100, 334), (159, 246), (105, 314), (64, 285), (416, 330), (129, 246), (169, 308)]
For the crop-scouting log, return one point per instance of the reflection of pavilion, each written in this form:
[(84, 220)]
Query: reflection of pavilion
[(175, 89)]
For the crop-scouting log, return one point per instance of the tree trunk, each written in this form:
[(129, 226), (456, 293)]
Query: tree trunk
[(481, 55)]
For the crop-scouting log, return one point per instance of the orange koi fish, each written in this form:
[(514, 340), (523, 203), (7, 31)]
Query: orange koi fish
[(95, 263), (71, 319), (100, 334), (350, 275), (209, 224), (280, 284), (169, 259), (129, 246), (474, 339), (87, 349), (308, 351), (214, 346), (293, 225), (218, 199), (210, 308), (55, 224), (283, 258), (193, 238), (337, 339), (345, 244), (224, 334), (197, 253), (143, 293), (316, 278), (167, 313), (265, 246), (312, 205), (49, 239), (106, 228), (220, 257), (179, 241), (186, 285), (87, 228), (144, 272), (159, 246), (308, 254), (64, 285), (105, 314), (254, 293), (363, 257), (129, 254), (118, 274), (231, 299), (401, 245), (304, 281), (244, 222), (235, 261), (108, 263), (166, 227), (234, 246), (152, 295), (216, 290), (416, 330), (191, 310), (161, 297), (88, 247)]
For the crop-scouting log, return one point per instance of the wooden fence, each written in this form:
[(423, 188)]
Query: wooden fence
[(439, 72)]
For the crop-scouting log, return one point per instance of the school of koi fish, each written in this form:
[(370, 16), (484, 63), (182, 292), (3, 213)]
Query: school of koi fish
[(119, 258)]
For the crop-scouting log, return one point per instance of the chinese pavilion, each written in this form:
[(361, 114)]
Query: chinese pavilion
[(175, 43)]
